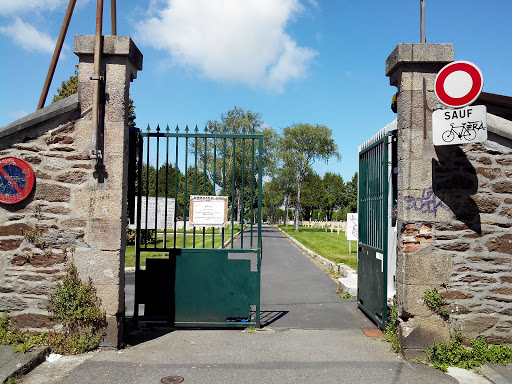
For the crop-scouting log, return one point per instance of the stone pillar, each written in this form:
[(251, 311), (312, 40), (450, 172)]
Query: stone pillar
[(102, 201), (412, 68)]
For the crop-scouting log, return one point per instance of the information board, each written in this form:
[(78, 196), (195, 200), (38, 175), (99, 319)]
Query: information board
[(208, 211), (155, 210), (351, 226)]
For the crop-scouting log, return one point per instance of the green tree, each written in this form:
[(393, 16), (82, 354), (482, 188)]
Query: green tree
[(286, 182), (313, 195), (68, 87), (351, 194), (302, 144), (239, 121), (273, 198), (335, 193)]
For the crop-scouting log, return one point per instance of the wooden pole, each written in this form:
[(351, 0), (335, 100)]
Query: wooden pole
[(56, 53), (113, 17), (423, 38)]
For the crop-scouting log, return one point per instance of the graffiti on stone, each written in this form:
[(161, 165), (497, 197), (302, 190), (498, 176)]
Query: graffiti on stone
[(428, 202)]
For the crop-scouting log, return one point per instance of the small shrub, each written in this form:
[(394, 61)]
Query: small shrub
[(34, 236), (76, 306), (455, 354), (347, 295), (130, 236), (392, 328), (146, 236), (435, 302), (22, 342)]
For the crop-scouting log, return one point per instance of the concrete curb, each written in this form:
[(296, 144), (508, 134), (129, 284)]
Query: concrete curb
[(497, 374), (16, 363), (347, 283)]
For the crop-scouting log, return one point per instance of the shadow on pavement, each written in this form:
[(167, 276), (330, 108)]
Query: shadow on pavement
[(268, 317)]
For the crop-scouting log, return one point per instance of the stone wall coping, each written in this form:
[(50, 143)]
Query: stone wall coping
[(67, 105), (112, 45), (419, 53), (499, 126)]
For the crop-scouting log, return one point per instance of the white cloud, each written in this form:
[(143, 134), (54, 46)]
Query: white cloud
[(28, 37), (230, 40), (9, 7)]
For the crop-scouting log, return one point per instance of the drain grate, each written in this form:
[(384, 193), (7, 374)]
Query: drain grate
[(172, 379)]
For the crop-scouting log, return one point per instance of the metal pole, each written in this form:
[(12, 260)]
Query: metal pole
[(56, 53), (113, 17), (95, 153), (423, 38)]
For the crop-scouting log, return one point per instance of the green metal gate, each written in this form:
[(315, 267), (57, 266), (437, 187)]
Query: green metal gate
[(190, 276), (375, 200)]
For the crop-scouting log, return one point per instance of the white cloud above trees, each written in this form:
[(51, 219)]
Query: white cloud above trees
[(234, 41)]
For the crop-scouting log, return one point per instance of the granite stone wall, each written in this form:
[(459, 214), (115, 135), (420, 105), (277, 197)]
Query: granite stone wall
[(453, 214), (78, 206)]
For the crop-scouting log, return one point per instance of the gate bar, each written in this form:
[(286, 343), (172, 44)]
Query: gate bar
[(185, 200)]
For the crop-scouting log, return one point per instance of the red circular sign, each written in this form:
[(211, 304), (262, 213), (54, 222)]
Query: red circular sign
[(16, 180), (459, 84)]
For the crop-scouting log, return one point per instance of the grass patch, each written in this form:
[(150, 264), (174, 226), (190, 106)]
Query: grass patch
[(21, 341), (332, 246), (455, 354)]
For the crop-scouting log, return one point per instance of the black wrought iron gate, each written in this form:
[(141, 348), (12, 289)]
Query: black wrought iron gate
[(195, 191)]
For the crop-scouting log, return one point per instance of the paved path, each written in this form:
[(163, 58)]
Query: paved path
[(298, 289), (318, 339)]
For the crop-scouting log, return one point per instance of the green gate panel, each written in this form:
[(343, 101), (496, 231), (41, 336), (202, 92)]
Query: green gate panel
[(373, 189), (371, 281), (212, 288), (195, 288)]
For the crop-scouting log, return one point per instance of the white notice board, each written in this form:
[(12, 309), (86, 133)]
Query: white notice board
[(351, 226), (155, 206), (208, 211)]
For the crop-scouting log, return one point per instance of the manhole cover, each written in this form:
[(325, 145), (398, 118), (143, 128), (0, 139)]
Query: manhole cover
[(172, 379)]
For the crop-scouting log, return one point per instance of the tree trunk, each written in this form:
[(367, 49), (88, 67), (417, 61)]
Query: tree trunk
[(285, 218), (297, 207)]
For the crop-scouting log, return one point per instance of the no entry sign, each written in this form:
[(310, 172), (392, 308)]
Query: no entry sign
[(16, 180), (459, 84)]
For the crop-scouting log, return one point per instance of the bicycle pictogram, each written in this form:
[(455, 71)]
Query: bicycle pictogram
[(465, 131)]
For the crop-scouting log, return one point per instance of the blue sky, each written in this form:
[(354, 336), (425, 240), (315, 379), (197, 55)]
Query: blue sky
[(310, 61)]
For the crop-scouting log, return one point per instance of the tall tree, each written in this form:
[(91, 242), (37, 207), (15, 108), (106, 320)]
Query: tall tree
[(238, 157), (313, 195), (351, 194), (273, 198), (302, 144), (335, 193), (67, 87)]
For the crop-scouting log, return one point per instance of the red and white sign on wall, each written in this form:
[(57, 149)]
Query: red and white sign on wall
[(16, 180), (458, 85)]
